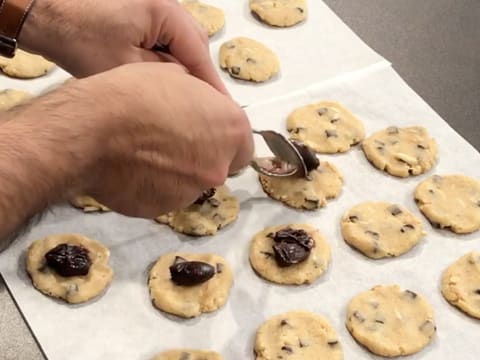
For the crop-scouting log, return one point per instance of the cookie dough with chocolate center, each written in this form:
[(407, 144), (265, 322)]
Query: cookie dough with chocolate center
[(289, 254), (324, 183), (184, 284), (70, 267), (204, 218)]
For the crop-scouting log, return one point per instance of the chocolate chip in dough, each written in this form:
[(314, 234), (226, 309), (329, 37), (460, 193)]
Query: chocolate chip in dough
[(69, 260), (353, 218), (428, 327), (206, 195), (284, 323), (251, 61), (322, 111), (189, 273), (373, 234), (332, 343), (313, 202), (407, 227), (392, 130), (334, 119), (331, 133), (184, 356), (395, 210), (219, 268), (359, 317), (296, 130), (235, 70), (411, 294), (477, 291), (287, 349), (303, 343), (300, 10)]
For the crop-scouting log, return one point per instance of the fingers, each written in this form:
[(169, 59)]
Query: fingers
[(155, 56), (189, 45), (245, 146)]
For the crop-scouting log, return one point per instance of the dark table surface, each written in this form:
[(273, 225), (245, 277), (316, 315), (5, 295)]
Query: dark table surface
[(433, 44)]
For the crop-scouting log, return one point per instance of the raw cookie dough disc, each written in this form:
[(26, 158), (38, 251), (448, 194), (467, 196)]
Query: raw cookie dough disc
[(461, 284), (207, 218), (10, 98), (25, 65), (451, 201), (401, 152), (300, 193), (297, 335), (326, 127), (389, 321), (74, 289), (209, 17), (263, 260), (248, 59), (187, 354), (88, 204), (189, 301), (282, 13), (380, 230)]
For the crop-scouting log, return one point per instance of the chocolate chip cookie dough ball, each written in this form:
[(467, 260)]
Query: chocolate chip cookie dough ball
[(380, 229), (297, 335), (281, 13), (451, 202), (401, 152), (390, 321), (248, 59)]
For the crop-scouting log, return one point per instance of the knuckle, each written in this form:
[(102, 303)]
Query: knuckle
[(214, 176)]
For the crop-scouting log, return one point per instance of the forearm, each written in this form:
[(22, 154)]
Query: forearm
[(43, 152)]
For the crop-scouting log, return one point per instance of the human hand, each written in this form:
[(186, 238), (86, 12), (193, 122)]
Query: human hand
[(168, 138), (87, 37)]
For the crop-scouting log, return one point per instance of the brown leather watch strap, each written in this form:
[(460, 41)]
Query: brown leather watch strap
[(12, 17)]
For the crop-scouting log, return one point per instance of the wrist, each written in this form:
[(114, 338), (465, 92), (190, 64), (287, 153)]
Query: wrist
[(44, 28)]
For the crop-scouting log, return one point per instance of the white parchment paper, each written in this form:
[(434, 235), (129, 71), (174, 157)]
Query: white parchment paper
[(318, 49), (123, 324)]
